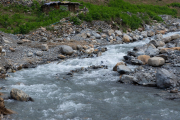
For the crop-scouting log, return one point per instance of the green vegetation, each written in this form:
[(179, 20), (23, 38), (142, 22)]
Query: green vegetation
[(131, 15), (21, 19), (174, 5)]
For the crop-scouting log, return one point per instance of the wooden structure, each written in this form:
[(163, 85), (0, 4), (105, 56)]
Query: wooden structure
[(72, 6)]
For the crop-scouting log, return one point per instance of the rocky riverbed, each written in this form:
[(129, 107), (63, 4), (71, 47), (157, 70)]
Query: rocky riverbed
[(157, 63)]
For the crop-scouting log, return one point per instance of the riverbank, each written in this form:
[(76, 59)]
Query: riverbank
[(66, 40)]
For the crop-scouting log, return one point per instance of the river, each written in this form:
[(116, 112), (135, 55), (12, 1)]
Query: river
[(90, 95)]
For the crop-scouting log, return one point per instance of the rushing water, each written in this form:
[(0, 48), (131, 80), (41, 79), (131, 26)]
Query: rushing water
[(93, 95)]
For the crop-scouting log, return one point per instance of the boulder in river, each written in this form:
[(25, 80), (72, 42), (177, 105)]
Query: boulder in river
[(20, 95), (156, 61), (119, 63), (127, 79), (122, 69), (126, 38), (151, 50), (65, 49), (175, 36), (165, 79)]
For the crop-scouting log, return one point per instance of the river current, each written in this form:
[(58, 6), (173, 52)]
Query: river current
[(91, 95)]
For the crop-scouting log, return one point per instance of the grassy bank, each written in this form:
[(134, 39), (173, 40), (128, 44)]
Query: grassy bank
[(20, 19)]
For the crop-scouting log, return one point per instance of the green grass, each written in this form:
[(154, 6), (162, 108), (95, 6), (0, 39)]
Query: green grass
[(123, 13)]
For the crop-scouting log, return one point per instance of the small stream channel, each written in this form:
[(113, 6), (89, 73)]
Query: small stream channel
[(91, 95)]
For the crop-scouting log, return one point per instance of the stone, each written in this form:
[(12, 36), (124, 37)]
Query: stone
[(136, 62), (160, 31), (97, 36), (44, 39), (144, 34), (140, 29), (167, 39), (157, 43), (127, 79), (19, 95), (122, 69), (88, 35), (89, 51), (118, 33), (84, 35), (150, 33), (61, 56), (158, 37), (104, 36), (111, 37), (67, 50), (145, 79), (39, 53), (119, 63), (30, 54), (109, 32), (44, 47), (166, 79), (144, 58), (175, 36), (156, 61), (126, 38), (26, 41), (151, 50), (12, 49)]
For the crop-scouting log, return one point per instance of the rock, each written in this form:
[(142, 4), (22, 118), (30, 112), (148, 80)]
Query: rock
[(118, 33), (126, 38), (88, 34), (144, 34), (19, 95), (84, 35), (175, 36), (30, 54), (0, 49), (151, 50), (26, 41), (104, 36), (150, 33), (160, 31), (158, 37), (127, 79), (165, 79), (3, 52), (140, 29), (144, 58), (12, 49), (3, 110), (44, 39), (167, 39), (99, 54), (144, 79), (156, 61), (61, 56), (136, 62), (119, 63), (109, 32), (44, 47), (39, 53), (111, 37), (122, 69), (89, 51), (67, 50), (157, 43), (97, 36)]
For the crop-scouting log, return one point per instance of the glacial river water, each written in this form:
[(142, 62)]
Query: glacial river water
[(93, 95)]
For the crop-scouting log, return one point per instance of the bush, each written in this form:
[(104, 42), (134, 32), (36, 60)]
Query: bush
[(75, 20)]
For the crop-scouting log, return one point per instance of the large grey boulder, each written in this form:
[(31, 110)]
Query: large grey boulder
[(158, 37), (156, 61), (19, 95), (44, 47), (165, 79), (122, 69), (67, 50), (157, 43), (118, 33), (151, 50)]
